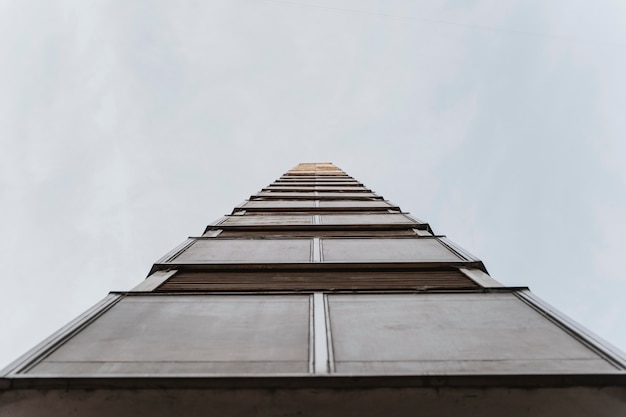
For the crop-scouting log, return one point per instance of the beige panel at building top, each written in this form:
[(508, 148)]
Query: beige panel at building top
[(318, 168), (451, 334), (189, 335)]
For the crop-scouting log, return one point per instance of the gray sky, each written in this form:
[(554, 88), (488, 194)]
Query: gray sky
[(127, 126)]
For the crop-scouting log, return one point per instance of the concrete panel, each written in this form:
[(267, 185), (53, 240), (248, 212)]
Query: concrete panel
[(313, 402), (170, 368), (355, 203), (366, 219), (303, 179), (153, 281), (189, 335), (279, 204), (268, 220), (313, 195), (386, 250), (451, 334), (481, 277), (247, 251), (471, 367), (311, 184), (344, 188), (322, 188)]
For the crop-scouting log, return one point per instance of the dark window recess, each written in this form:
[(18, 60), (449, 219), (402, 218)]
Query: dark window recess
[(316, 280), (232, 234), (302, 212)]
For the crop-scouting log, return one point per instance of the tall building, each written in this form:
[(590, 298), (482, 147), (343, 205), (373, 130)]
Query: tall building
[(318, 297)]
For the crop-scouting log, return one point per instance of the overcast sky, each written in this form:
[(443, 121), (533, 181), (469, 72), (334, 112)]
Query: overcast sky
[(126, 126)]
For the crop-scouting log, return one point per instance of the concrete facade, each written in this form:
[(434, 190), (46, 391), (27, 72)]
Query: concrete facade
[(317, 296)]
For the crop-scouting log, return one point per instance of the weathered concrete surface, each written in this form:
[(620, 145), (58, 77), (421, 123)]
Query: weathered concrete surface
[(189, 335), (451, 334), (386, 250), (388, 402)]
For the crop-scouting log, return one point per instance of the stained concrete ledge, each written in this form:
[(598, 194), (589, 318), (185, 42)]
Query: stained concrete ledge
[(227, 382), (346, 402)]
